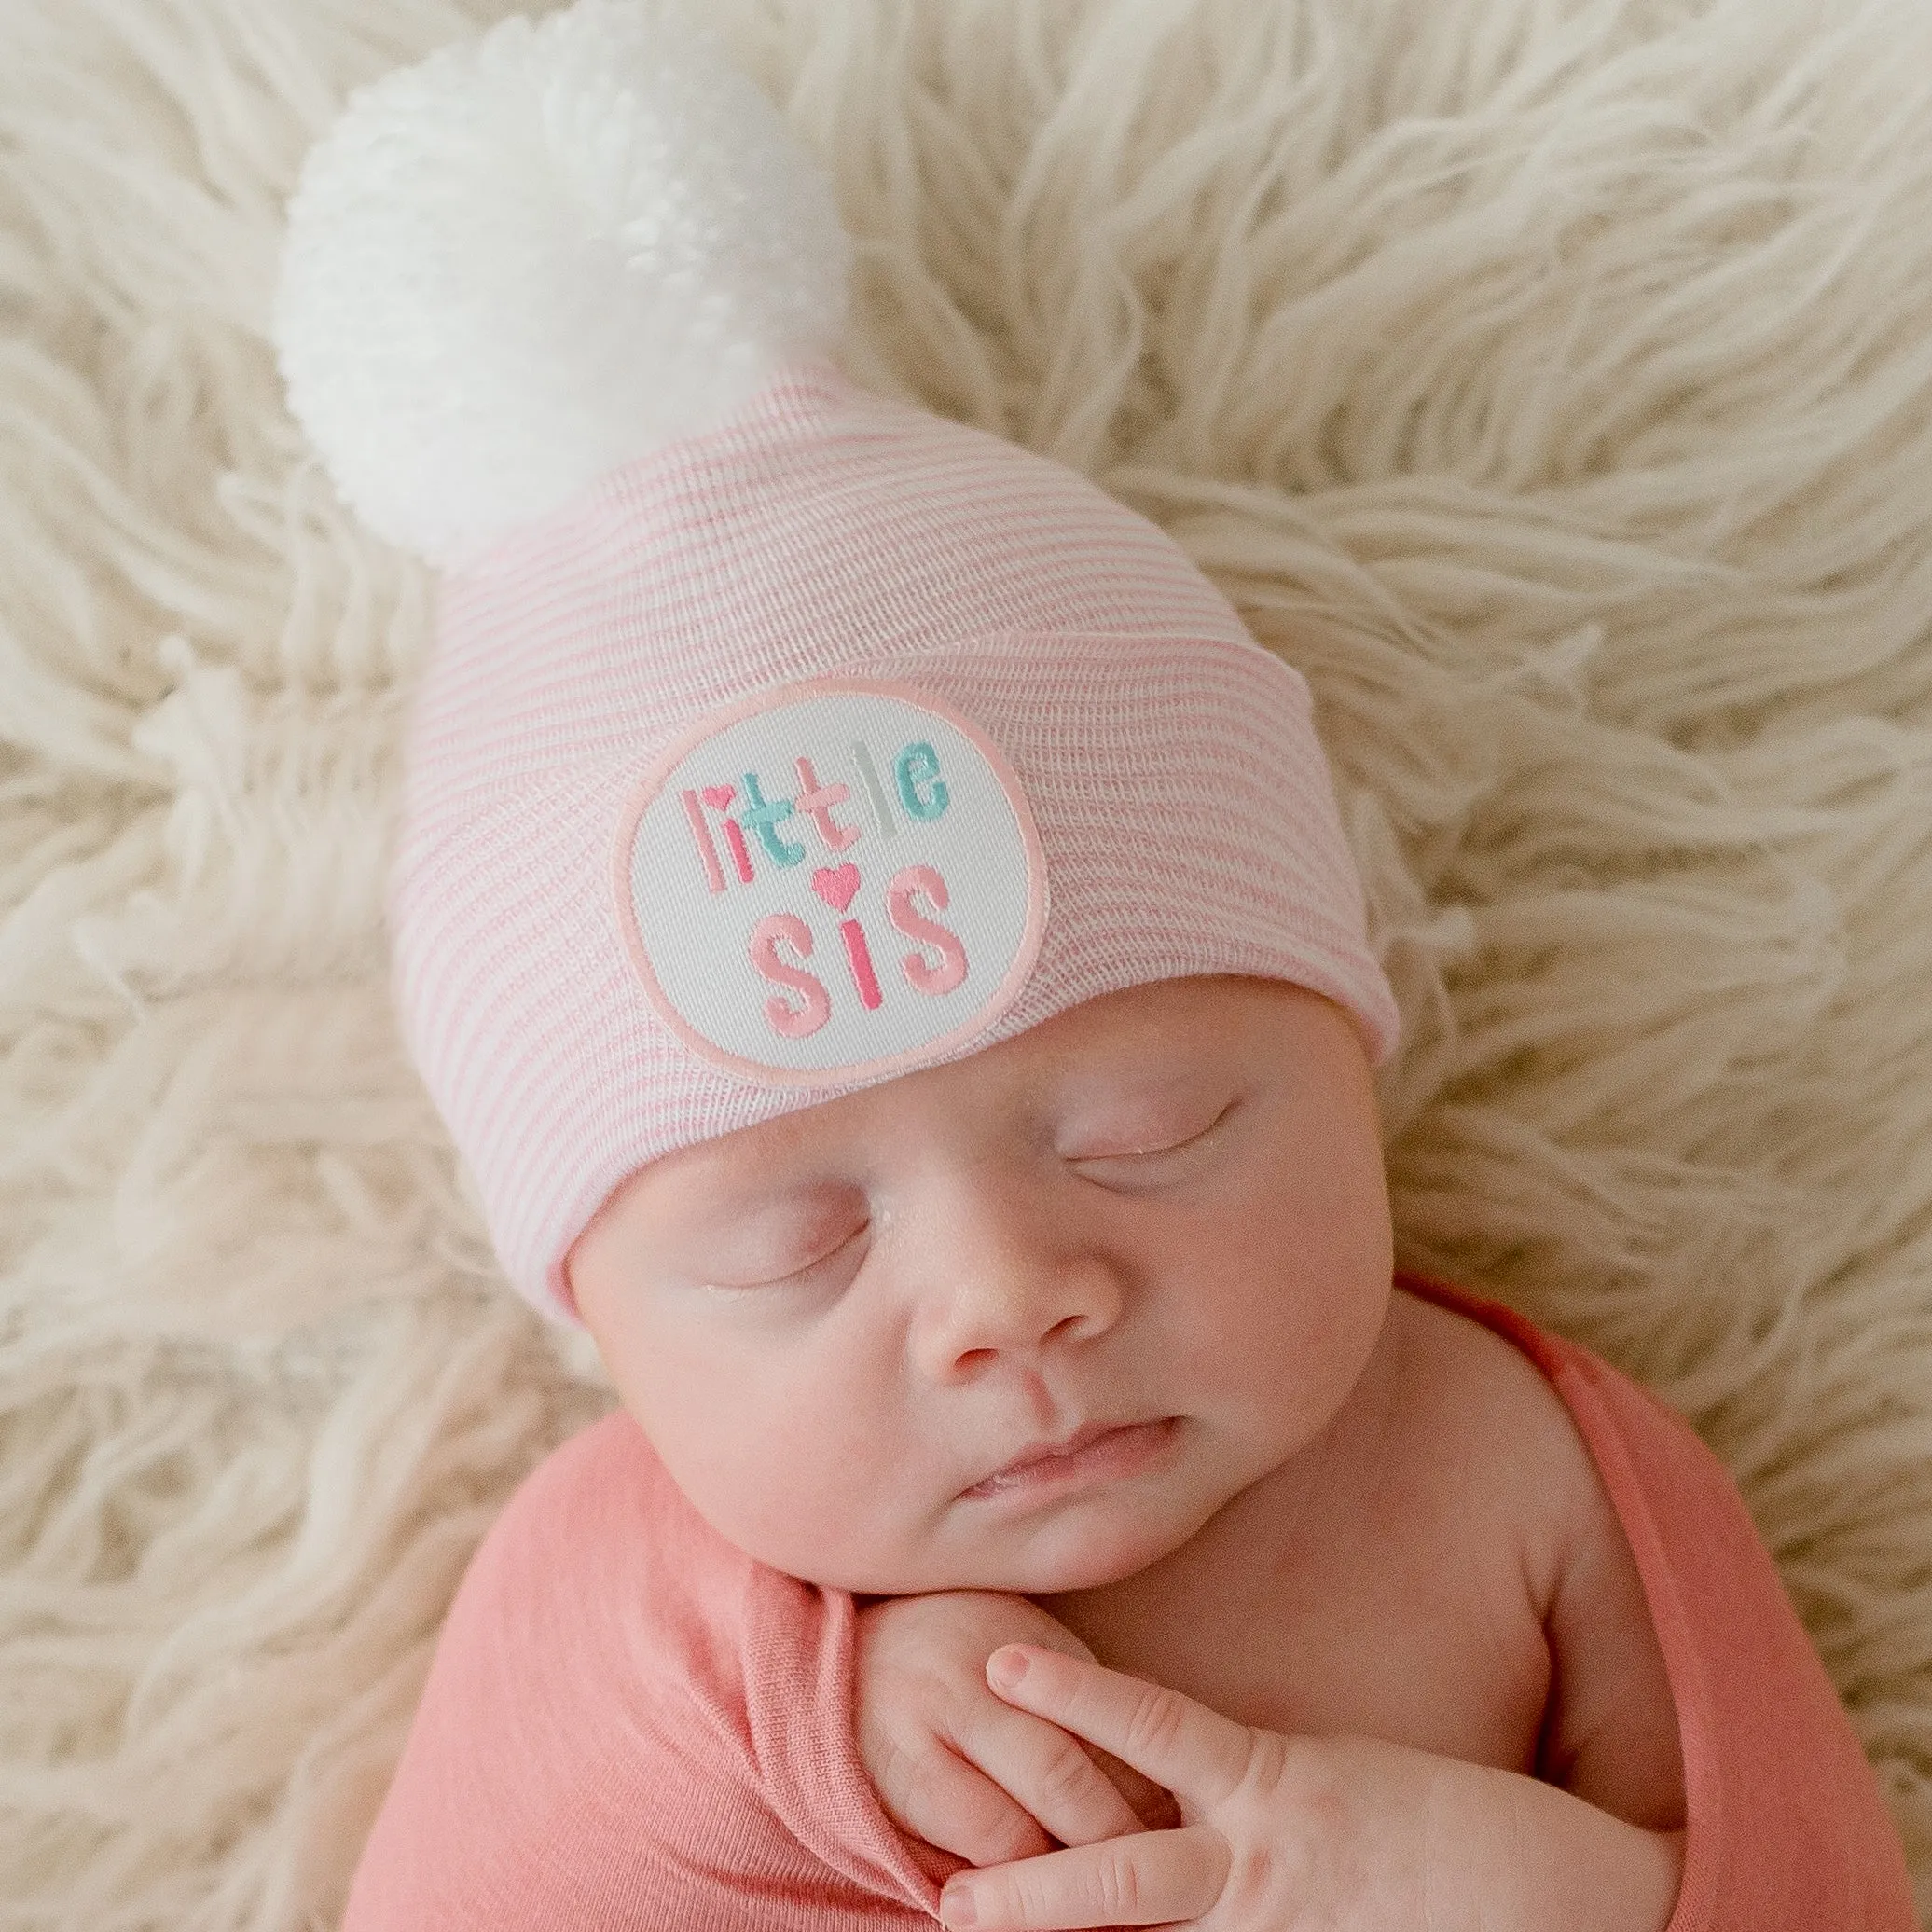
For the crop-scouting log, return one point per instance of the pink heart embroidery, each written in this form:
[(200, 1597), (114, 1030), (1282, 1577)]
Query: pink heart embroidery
[(719, 796), (836, 885)]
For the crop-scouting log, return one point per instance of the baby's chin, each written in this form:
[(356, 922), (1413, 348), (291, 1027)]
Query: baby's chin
[(1063, 1559)]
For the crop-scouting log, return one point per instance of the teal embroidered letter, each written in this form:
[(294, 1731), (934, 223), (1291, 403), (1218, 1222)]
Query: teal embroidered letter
[(765, 818), (921, 790)]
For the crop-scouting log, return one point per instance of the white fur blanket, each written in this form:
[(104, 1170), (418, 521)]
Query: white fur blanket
[(1550, 378)]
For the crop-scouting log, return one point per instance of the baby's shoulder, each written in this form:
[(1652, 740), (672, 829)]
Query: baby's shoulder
[(1488, 1439), (598, 1575), (1465, 1384), (598, 1491), (597, 1535)]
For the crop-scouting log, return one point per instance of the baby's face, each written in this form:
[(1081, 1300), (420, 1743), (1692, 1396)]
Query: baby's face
[(1153, 1228)]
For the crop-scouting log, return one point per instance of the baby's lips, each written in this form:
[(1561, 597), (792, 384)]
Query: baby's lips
[(1043, 1461), (1044, 1450)]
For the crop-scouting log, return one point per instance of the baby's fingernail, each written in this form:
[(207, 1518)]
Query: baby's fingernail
[(955, 1907), (1006, 1666)]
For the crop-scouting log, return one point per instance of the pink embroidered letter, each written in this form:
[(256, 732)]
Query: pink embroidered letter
[(793, 1021), (817, 800), (920, 973)]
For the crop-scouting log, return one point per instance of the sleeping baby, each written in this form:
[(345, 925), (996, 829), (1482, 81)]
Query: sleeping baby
[(881, 935)]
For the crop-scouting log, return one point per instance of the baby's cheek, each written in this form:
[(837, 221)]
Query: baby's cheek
[(800, 1479)]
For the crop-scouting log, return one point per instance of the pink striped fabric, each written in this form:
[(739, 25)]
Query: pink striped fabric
[(1183, 805)]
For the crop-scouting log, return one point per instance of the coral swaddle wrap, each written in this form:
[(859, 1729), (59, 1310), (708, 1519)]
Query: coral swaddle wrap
[(630, 1725)]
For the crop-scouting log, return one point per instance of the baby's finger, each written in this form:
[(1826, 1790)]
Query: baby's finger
[(1151, 1878), (1048, 1771), (951, 1803), (1151, 1803), (1196, 1753)]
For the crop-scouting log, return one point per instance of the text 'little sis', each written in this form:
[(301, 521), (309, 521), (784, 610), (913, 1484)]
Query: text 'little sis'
[(743, 817)]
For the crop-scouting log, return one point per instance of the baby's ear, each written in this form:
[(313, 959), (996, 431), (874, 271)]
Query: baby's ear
[(536, 256), (570, 1272), (566, 1304), (599, 1251)]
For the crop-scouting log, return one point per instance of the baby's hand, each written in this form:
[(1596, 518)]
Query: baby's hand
[(1311, 1834), (953, 1764)]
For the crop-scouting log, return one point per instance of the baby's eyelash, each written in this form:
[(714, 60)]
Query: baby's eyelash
[(791, 1276), (1142, 1153)]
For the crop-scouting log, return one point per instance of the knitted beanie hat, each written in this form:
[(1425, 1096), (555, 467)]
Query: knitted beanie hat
[(777, 738)]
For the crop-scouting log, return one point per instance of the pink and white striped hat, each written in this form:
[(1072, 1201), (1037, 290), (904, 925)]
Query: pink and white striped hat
[(779, 739)]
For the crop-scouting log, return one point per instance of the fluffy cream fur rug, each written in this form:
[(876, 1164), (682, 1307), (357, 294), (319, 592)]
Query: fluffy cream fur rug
[(1551, 379)]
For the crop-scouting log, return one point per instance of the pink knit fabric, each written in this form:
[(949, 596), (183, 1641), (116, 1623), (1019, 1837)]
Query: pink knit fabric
[(1184, 814), (632, 1726)]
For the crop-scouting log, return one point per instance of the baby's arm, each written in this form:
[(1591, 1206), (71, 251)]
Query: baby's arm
[(1339, 1834), (1610, 1729), (1349, 1828)]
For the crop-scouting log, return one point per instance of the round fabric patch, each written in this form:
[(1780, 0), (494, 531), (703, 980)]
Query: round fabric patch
[(832, 879)]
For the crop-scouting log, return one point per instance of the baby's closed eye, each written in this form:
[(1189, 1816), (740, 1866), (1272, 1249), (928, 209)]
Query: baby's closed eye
[(787, 1244), (1143, 1149)]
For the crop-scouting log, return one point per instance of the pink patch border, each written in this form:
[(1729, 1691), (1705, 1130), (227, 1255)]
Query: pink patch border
[(761, 1073)]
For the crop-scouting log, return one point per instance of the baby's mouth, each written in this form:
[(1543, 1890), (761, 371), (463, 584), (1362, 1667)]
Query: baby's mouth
[(1097, 1453)]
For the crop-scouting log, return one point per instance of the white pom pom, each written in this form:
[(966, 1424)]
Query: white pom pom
[(534, 257)]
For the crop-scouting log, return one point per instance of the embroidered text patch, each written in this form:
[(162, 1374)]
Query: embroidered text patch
[(831, 879)]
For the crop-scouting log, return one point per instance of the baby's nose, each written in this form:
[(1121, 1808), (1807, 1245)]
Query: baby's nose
[(1002, 1274)]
